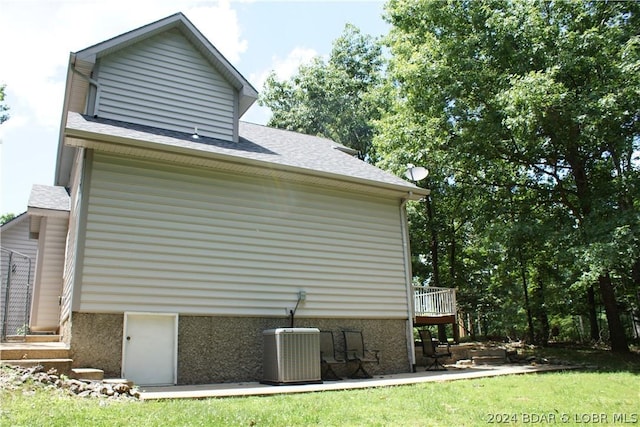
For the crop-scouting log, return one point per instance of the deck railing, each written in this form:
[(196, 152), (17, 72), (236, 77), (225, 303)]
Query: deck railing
[(431, 301)]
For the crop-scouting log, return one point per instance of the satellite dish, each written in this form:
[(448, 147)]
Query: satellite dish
[(416, 173)]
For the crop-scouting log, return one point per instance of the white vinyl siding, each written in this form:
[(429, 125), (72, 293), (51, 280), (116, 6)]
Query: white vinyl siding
[(45, 311), (162, 238), (15, 236), (165, 83), (72, 236)]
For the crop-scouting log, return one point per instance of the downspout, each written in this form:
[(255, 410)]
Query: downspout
[(408, 281), (88, 109), (87, 78)]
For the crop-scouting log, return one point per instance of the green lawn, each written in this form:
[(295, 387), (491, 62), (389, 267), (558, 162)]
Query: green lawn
[(610, 395)]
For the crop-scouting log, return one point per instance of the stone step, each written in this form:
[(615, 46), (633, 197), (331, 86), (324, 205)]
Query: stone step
[(34, 338), (62, 366), (90, 374), (489, 360), (482, 352)]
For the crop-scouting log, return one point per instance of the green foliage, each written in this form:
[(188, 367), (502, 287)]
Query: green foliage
[(6, 218), (334, 98), (528, 116), (4, 108)]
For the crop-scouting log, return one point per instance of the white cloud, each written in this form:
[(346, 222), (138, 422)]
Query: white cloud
[(39, 35), (289, 66), (284, 68), (220, 25)]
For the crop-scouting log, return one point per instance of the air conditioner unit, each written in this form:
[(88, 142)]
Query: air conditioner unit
[(291, 356)]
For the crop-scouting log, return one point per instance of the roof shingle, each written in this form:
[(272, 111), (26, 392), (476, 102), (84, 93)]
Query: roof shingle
[(48, 197), (269, 146)]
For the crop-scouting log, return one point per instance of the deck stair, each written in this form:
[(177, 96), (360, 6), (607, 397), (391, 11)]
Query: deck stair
[(34, 350)]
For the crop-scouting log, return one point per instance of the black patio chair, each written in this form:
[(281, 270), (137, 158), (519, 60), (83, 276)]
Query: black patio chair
[(329, 356), (430, 350), (355, 351)]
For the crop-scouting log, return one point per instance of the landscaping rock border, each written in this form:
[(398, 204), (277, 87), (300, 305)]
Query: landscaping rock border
[(14, 377)]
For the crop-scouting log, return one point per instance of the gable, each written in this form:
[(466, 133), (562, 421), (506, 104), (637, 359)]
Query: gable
[(164, 82)]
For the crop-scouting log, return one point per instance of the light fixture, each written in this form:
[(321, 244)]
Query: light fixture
[(195, 134)]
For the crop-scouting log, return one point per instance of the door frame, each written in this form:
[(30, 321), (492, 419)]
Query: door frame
[(175, 339)]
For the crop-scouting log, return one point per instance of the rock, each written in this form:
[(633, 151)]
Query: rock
[(14, 377), (85, 393), (121, 388)]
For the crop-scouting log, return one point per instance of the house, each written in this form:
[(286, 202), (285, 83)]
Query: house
[(17, 272), (31, 290), (189, 232)]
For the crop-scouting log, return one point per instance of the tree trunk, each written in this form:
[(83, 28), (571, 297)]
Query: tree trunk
[(434, 243), (592, 314), (616, 330), (542, 337), (527, 306), (452, 256)]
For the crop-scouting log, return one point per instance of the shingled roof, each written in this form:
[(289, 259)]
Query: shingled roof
[(259, 146), (49, 198)]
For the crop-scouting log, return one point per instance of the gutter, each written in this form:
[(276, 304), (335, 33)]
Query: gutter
[(72, 67), (62, 149), (63, 121)]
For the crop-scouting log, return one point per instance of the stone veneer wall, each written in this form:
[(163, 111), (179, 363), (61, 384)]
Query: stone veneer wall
[(229, 349), (96, 342), (223, 349), (65, 331)]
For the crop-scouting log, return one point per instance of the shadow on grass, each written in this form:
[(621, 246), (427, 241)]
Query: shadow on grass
[(591, 357)]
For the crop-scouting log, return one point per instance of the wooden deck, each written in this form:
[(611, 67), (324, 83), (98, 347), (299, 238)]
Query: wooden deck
[(434, 320), (436, 306)]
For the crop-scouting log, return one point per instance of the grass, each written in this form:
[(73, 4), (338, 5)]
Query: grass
[(569, 398)]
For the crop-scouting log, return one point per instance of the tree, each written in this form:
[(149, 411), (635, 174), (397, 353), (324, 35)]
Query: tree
[(333, 99), (532, 97), (4, 108), (6, 218)]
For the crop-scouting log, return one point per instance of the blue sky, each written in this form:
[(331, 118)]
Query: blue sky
[(257, 36)]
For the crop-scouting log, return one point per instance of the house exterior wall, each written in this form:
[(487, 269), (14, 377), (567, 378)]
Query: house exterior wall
[(166, 83), (165, 238), (213, 349), (14, 236), (72, 237), (96, 341), (45, 309)]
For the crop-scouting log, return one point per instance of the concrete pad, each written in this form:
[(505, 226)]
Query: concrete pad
[(257, 389)]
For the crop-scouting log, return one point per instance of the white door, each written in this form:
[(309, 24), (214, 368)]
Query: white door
[(149, 353)]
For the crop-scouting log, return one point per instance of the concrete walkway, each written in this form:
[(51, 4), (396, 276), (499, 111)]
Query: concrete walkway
[(257, 389)]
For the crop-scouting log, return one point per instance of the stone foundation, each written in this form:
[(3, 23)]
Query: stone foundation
[(65, 331), (219, 349), (229, 349), (96, 342)]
